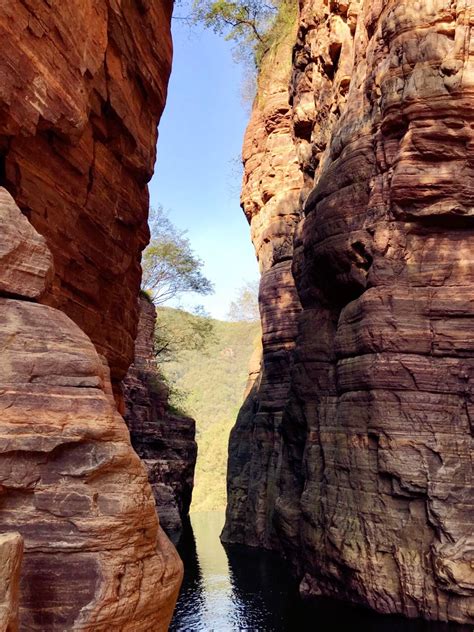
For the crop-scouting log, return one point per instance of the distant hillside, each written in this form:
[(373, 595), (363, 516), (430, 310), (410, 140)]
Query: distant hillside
[(213, 383)]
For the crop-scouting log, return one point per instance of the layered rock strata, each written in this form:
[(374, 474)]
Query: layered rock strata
[(270, 200), (70, 482), (370, 470), (82, 87), (165, 441), (11, 555)]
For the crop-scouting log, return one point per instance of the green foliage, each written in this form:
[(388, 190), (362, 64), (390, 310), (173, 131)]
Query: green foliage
[(212, 382), (210, 493), (176, 398), (177, 401), (280, 27), (177, 331), (170, 267), (254, 25), (146, 295), (245, 307), (243, 20)]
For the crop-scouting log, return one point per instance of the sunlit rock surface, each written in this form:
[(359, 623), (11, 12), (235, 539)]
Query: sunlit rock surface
[(25, 261), (164, 440), (11, 555), (368, 474), (82, 87), (71, 484)]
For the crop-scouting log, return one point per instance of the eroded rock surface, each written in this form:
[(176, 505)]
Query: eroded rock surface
[(270, 195), (371, 487), (25, 260), (70, 482), (82, 87), (11, 555), (165, 441)]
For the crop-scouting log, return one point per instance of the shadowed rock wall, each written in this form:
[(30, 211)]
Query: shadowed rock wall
[(165, 441), (371, 475), (270, 200)]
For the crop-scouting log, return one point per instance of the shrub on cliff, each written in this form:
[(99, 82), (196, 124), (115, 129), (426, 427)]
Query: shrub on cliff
[(170, 267)]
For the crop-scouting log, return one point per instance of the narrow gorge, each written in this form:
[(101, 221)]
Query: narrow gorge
[(351, 457)]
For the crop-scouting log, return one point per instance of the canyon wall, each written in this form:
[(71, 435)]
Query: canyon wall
[(82, 87), (363, 477), (163, 439), (270, 200)]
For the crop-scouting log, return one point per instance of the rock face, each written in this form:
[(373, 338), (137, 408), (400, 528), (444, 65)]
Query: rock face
[(70, 483), (11, 554), (365, 480), (25, 260), (164, 441), (82, 87), (270, 195)]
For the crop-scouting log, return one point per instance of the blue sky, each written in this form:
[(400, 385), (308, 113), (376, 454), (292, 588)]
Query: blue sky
[(197, 177)]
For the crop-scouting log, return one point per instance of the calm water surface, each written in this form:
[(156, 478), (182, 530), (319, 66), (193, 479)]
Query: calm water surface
[(238, 589)]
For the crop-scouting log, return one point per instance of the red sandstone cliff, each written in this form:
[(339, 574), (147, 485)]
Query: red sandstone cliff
[(270, 200), (95, 556), (363, 475), (82, 87)]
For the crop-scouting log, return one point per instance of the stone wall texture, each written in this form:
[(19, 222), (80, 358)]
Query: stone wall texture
[(70, 482), (164, 440), (82, 88), (354, 454)]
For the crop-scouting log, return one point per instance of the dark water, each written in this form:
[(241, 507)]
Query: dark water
[(245, 590)]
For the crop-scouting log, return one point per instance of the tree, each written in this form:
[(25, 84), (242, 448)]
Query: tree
[(170, 267), (242, 19), (245, 307), (246, 22)]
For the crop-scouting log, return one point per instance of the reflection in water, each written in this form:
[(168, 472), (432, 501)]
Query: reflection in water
[(191, 597), (263, 589), (245, 590)]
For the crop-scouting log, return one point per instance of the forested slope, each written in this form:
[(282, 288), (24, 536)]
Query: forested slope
[(210, 385)]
